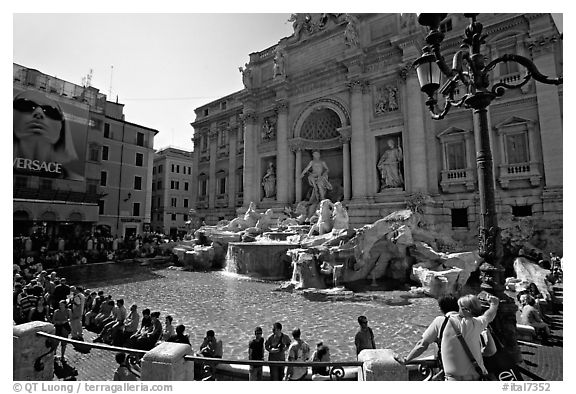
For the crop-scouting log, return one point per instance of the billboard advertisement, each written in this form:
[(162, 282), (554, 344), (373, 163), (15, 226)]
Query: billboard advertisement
[(49, 134)]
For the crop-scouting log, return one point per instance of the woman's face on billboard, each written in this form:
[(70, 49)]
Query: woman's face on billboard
[(36, 116)]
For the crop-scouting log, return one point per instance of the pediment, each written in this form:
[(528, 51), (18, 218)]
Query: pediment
[(513, 121), (452, 131)]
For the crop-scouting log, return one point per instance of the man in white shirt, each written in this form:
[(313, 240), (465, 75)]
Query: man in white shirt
[(456, 363)]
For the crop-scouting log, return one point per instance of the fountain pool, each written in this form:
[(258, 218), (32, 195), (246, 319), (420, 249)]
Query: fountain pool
[(233, 306)]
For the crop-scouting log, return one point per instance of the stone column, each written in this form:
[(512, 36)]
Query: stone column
[(27, 348), (549, 111), (232, 132), (416, 135), (194, 186), (380, 365), (251, 167), (282, 149), (416, 160), (213, 136), (358, 147), (297, 171), (345, 135), (166, 363)]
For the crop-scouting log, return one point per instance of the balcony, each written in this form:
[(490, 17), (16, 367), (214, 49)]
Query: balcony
[(221, 200), (519, 173), (454, 181)]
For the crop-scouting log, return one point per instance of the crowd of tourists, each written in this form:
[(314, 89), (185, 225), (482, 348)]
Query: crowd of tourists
[(52, 252)]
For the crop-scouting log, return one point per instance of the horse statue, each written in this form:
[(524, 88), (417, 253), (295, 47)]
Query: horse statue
[(325, 223), (340, 217)]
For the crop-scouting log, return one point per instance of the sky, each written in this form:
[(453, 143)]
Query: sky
[(161, 66)]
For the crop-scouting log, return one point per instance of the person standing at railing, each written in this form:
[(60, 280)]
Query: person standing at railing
[(321, 354), (364, 338), (276, 345), (298, 351), (256, 352)]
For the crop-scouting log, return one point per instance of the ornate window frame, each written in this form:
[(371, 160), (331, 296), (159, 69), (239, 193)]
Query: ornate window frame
[(221, 195), (457, 180), (510, 173), (203, 184)]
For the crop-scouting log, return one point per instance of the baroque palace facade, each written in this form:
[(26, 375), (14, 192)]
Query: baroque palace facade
[(343, 85)]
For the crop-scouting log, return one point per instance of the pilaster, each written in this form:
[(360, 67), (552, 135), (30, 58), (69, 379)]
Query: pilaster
[(549, 109), (251, 167), (358, 146), (213, 138), (282, 158)]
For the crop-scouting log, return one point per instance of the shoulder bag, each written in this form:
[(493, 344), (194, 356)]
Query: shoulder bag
[(483, 376)]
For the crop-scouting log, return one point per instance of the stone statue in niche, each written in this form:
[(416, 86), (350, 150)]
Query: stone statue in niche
[(390, 165), (317, 178), (246, 75), (387, 100), (269, 181)]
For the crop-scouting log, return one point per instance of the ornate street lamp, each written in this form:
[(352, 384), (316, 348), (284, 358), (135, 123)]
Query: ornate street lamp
[(469, 71)]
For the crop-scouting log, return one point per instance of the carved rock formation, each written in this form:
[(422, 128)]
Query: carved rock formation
[(531, 272)]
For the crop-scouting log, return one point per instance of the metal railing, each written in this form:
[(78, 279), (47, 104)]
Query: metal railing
[(216, 368), (336, 369)]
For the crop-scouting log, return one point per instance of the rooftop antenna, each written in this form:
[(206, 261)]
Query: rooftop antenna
[(110, 90)]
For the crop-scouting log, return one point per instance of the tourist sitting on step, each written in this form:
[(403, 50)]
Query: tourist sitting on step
[(147, 340), (105, 315), (130, 326), (115, 327), (180, 337), (540, 301), (531, 316), (144, 326), (168, 330), (89, 318)]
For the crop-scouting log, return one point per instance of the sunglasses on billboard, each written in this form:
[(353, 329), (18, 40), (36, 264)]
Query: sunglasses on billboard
[(29, 106)]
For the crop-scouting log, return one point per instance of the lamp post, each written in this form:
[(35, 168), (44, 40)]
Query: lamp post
[(470, 71)]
